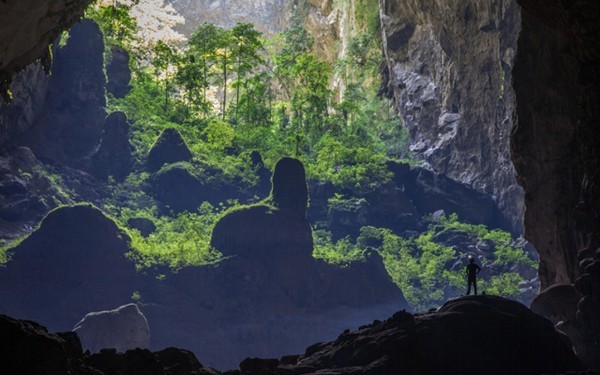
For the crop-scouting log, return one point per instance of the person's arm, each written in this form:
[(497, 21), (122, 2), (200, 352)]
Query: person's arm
[(478, 268)]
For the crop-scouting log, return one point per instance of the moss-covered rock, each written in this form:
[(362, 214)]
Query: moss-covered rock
[(169, 148), (73, 264)]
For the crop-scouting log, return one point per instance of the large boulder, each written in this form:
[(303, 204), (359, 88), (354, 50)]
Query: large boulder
[(114, 157), (469, 335), (168, 148), (557, 303), (74, 263), (28, 348), (123, 328), (183, 186)]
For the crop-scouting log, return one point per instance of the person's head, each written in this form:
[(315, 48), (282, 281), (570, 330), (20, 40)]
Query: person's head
[(471, 260)]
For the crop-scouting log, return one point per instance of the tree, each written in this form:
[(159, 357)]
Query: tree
[(203, 54), (165, 59), (246, 47)]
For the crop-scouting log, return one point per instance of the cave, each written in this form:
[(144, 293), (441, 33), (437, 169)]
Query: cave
[(501, 97)]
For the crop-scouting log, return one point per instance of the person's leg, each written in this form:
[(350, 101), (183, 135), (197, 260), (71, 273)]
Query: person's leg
[(468, 287)]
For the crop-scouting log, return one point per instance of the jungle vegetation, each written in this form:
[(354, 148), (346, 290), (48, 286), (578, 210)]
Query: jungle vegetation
[(230, 92)]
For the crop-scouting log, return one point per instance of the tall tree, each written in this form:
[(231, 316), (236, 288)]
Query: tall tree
[(247, 45)]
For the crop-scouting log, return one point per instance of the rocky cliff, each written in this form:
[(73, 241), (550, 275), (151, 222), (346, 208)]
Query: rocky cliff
[(448, 68), (269, 16), (555, 151)]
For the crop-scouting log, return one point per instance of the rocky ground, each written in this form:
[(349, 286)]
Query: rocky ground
[(469, 335)]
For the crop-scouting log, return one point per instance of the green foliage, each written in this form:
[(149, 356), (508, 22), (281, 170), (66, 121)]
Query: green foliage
[(340, 253), (178, 241), (423, 268)]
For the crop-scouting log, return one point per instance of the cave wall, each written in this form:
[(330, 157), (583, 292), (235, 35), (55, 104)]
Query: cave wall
[(28, 29), (555, 151), (448, 69)]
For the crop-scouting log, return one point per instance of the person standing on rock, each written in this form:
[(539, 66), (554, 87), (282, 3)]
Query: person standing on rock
[(472, 271)]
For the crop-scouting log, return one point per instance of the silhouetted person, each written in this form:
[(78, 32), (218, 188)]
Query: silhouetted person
[(472, 271)]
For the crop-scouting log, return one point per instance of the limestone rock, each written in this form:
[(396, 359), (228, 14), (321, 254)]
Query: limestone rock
[(448, 68), (28, 348), (114, 157), (145, 226), (26, 192), (557, 303), (29, 27), (69, 127), (118, 73), (554, 150), (431, 192), (509, 339), (123, 328), (168, 148), (184, 186), (290, 191), (63, 269)]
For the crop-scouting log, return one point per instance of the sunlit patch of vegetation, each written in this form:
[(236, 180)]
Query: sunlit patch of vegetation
[(423, 268)]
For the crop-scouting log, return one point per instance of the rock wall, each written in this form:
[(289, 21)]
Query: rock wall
[(555, 151), (448, 68), (268, 15), (28, 28)]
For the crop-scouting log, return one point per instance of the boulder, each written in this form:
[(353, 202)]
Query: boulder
[(557, 303), (72, 264), (145, 226), (114, 157), (118, 73), (168, 148), (123, 328), (28, 348), (469, 335), (183, 186)]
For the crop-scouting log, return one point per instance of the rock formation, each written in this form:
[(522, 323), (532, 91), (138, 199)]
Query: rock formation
[(168, 148), (123, 328), (69, 127), (118, 73), (28, 28), (114, 156), (448, 68), (555, 151), (73, 264), (269, 16), (509, 339), (28, 348)]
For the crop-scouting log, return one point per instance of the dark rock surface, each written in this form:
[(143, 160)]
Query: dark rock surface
[(118, 73), (555, 152), (469, 335), (448, 70), (28, 28), (114, 156), (145, 226), (168, 148), (26, 192), (27, 348), (183, 186), (73, 264), (69, 127)]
